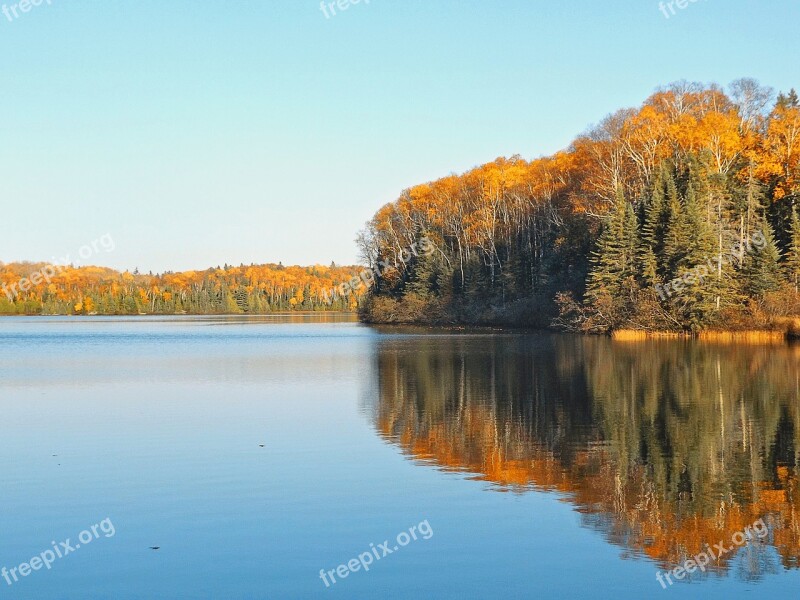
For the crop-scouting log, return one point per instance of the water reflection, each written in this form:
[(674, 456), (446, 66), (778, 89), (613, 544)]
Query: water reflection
[(664, 447)]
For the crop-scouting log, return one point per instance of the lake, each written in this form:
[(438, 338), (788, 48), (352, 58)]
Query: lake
[(310, 456)]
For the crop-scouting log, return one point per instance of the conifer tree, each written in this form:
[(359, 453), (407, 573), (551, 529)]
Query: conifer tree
[(613, 275), (789, 100), (423, 279), (699, 301), (793, 254), (761, 272), (653, 229), (676, 233)]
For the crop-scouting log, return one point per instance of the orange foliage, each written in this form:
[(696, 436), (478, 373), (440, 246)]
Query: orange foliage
[(253, 288)]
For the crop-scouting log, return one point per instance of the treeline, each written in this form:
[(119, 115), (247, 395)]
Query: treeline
[(611, 233), (36, 288)]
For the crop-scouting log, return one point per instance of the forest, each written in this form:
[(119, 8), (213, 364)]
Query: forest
[(678, 216), (256, 289)]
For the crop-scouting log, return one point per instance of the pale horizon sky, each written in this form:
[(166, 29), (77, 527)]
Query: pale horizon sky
[(197, 134)]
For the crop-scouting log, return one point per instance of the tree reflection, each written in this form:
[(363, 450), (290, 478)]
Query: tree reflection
[(663, 446)]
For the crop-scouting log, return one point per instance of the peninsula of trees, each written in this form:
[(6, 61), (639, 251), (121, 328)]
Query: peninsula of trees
[(694, 193)]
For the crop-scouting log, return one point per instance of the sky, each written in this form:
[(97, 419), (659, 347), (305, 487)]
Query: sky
[(198, 133)]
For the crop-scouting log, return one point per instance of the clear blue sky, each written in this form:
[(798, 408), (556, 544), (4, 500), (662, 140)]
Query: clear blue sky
[(199, 132)]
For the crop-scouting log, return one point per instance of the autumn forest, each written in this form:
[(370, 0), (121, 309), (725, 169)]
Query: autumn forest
[(244, 289), (588, 239), (693, 192)]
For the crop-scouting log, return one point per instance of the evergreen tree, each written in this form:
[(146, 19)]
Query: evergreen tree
[(612, 279), (654, 224), (761, 271), (676, 234), (423, 276), (789, 100), (793, 254), (698, 303)]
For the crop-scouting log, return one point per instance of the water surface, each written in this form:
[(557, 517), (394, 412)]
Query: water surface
[(255, 451)]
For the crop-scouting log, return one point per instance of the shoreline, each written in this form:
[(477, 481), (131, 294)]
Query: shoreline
[(786, 329)]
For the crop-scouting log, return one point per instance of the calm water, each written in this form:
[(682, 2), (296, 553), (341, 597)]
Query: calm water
[(255, 452)]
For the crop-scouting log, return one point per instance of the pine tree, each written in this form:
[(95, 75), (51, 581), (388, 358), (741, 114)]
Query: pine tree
[(614, 261), (423, 276), (699, 301), (762, 271), (789, 100), (653, 228), (676, 234), (793, 254)]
